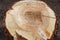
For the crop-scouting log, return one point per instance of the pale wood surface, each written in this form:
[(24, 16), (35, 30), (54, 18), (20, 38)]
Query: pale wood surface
[(40, 16)]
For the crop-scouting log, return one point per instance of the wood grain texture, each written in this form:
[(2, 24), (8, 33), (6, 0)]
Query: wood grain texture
[(54, 4), (39, 16)]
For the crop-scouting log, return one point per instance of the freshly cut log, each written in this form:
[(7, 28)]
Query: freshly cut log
[(33, 20)]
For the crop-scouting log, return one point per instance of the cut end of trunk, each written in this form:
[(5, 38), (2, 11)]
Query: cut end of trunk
[(33, 20)]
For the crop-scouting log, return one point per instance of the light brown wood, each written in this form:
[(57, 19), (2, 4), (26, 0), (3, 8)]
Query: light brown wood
[(33, 20)]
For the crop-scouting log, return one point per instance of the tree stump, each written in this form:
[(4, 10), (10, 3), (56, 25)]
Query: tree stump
[(31, 20)]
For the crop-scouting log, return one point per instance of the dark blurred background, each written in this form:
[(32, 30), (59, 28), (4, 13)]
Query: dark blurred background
[(6, 4)]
